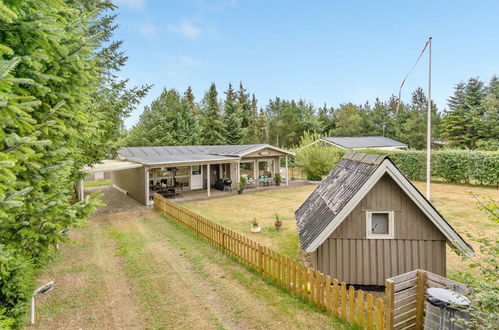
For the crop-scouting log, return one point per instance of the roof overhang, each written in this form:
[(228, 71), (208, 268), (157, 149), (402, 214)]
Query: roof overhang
[(194, 162), (399, 146), (453, 238), (111, 165), (268, 146)]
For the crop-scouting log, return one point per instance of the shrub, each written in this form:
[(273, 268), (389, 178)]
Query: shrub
[(484, 287), (453, 166), (315, 160)]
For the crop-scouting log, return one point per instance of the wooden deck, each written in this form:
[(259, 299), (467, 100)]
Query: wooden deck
[(115, 201)]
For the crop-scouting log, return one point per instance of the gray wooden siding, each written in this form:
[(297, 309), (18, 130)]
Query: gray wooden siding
[(348, 256), (370, 262), (132, 181), (386, 195)]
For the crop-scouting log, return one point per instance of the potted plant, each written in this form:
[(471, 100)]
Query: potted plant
[(278, 179), (278, 222), (255, 228), (242, 183)]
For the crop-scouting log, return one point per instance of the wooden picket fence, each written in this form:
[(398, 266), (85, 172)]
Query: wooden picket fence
[(349, 304)]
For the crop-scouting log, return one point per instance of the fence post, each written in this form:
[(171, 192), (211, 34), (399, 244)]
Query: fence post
[(223, 238), (389, 294), (260, 258), (420, 298)]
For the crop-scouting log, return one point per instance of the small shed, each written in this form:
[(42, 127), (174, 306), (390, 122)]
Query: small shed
[(367, 222)]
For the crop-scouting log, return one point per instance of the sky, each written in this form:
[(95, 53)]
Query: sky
[(329, 52)]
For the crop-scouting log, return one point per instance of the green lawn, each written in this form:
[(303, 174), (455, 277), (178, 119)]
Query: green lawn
[(140, 270), (97, 183), (455, 202)]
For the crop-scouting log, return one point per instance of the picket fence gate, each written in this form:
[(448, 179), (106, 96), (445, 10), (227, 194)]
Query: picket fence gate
[(334, 297)]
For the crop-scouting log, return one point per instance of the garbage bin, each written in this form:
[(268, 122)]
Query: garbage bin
[(446, 310)]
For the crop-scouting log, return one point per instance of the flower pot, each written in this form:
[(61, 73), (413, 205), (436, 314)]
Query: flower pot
[(278, 225), (239, 192), (278, 183), (255, 229)]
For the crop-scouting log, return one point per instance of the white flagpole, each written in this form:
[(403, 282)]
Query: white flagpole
[(428, 129)]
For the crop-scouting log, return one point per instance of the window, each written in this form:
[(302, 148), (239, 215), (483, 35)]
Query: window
[(247, 169), (196, 169), (265, 168), (182, 171), (380, 224)]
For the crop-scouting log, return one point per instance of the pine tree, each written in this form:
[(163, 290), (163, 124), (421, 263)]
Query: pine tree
[(326, 120), (251, 132), (232, 130), (462, 123), (211, 123), (245, 106), (191, 118)]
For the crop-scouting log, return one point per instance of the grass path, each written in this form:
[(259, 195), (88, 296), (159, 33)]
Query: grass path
[(138, 270)]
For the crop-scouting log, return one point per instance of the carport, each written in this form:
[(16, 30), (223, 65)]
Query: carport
[(107, 165)]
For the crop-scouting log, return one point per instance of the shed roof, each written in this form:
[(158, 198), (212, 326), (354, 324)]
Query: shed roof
[(363, 142), (345, 186), (187, 154)]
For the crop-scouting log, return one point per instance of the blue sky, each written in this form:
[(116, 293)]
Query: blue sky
[(321, 51)]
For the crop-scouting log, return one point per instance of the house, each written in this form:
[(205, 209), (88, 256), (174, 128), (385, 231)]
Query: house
[(366, 222), (362, 142), (140, 171)]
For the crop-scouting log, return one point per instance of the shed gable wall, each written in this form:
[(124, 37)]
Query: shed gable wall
[(386, 195)]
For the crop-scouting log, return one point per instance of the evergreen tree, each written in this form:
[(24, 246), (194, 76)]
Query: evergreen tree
[(251, 134), (167, 121), (414, 128), (245, 106), (57, 71), (191, 118), (232, 130), (463, 123), (211, 123), (326, 119)]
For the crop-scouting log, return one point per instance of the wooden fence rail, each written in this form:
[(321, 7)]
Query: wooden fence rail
[(406, 295), (326, 293)]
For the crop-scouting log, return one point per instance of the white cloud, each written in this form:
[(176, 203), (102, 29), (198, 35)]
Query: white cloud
[(189, 30), (131, 4), (148, 30)]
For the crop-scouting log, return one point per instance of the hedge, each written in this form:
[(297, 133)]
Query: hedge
[(453, 166)]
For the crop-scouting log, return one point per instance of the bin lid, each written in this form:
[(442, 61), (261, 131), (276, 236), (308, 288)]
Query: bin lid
[(444, 297)]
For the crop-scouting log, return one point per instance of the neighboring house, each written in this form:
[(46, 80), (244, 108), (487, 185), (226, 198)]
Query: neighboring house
[(139, 170), (362, 142), (366, 222)]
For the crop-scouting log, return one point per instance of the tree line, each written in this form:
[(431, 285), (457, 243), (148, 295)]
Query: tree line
[(471, 120)]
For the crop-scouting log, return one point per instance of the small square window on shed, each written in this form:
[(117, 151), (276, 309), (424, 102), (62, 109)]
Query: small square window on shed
[(380, 224)]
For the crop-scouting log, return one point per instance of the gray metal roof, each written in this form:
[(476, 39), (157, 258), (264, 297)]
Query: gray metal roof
[(364, 142), (334, 192), (186, 154)]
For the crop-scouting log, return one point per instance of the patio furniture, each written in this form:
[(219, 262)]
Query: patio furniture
[(178, 191), (251, 183)]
